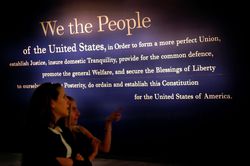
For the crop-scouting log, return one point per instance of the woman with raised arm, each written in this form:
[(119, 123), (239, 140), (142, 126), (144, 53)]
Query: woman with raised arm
[(86, 142)]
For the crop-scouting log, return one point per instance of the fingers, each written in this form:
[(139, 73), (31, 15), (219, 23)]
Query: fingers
[(79, 157), (117, 116)]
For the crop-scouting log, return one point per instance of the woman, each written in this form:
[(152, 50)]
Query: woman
[(87, 144), (47, 144)]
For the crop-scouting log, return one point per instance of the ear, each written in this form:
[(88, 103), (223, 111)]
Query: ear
[(52, 104)]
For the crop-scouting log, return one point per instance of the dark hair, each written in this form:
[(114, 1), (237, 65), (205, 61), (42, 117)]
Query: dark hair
[(40, 113)]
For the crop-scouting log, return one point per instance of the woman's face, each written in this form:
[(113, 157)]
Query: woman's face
[(61, 105), (74, 114)]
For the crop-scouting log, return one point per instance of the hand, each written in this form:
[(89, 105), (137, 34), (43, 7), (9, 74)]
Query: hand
[(114, 116), (79, 157)]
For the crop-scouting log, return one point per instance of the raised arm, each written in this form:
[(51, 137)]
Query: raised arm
[(106, 144)]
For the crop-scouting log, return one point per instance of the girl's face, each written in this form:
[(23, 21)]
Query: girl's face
[(74, 114), (61, 105)]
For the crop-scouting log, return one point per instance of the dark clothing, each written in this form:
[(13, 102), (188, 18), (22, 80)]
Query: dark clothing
[(43, 146), (68, 135), (83, 143), (37, 150)]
